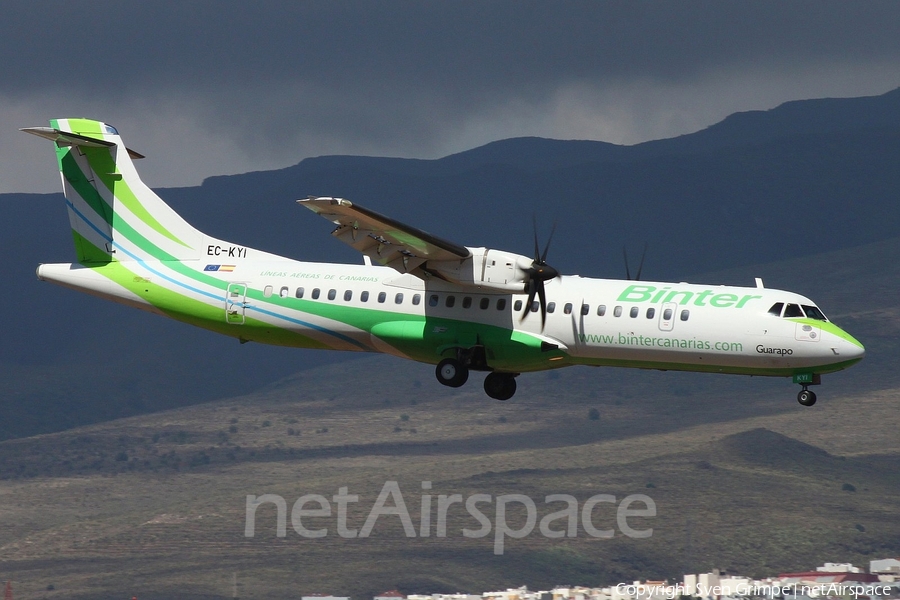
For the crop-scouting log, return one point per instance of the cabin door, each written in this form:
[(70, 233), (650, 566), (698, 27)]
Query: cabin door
[(235, 303)]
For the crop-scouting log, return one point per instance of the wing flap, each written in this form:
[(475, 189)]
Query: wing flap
[(383, 239)]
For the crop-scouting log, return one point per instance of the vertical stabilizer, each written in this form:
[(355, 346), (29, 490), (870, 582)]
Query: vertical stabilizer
[(113, 214)]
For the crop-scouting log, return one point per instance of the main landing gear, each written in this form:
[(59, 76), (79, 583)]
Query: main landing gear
[(453, 373), (500, 386)]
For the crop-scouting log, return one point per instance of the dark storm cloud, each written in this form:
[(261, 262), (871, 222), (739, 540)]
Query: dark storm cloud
[(467, 50), (263, 84)]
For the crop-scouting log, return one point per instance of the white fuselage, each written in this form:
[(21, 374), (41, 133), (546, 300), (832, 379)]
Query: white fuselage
[(594, 321)]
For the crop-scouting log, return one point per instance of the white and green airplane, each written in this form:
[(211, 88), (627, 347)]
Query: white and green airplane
[(417, 296)]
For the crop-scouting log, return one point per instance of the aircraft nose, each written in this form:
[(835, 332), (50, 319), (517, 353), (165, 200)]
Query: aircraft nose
[(850, 348)]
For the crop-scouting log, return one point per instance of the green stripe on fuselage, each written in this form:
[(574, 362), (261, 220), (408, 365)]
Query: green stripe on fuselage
[(202, 314), (831, 328), (706, 368)]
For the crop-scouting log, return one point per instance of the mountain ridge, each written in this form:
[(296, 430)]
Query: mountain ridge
[(821, 180), (753, 127)]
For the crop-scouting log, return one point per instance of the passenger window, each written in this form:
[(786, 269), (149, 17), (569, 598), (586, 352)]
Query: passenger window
[(585, 309), (685, 315), (467, 302), (267, 291), (283, 292), (651, 312), (551, 307), (776, 309), (568, 308), (299, 293), (517, 306), (364, 297), (484, 303), (433, 300), (451, 300), (382, 297), (792, 311), (601, 310), (814, 313), (348, 295), (332, 294), (398, 299), (617, 311), (633, 313), (667, 314), (535, 306), (501, 304), (416, 299), (315, 294)]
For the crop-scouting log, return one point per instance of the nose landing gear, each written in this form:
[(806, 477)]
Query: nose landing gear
[(806, 397)]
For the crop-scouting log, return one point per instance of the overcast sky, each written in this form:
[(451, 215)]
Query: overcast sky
[(208, 88)]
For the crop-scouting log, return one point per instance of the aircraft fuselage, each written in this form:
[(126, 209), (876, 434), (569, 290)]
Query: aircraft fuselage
[(599, 322)]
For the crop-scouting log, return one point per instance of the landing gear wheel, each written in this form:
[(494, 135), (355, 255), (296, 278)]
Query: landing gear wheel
[(500, 386), (451, 372), (806, 398)]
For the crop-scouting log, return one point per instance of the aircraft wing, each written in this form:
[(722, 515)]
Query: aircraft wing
[(384, 240)]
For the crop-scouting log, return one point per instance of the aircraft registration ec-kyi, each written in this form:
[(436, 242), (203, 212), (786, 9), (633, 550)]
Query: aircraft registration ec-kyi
[(417, 296)]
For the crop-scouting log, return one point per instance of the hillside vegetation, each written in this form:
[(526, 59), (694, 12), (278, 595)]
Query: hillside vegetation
[(743, 478)]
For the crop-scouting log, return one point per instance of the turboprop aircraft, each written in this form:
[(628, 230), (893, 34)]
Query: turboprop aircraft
[(417, 295)]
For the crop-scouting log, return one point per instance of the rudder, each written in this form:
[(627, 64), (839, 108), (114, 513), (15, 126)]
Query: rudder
[(113, 214)]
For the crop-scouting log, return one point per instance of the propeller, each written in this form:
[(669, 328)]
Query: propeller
[(640, 266), (538, 273)]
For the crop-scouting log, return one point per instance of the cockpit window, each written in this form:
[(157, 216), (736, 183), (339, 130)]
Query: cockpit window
[(814, 313), (776, 309), (792, 311)]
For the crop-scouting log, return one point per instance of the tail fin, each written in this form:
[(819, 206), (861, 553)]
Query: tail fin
[(113, 214)]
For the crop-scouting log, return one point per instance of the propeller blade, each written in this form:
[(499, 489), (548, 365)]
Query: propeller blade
[(547, 247), (542, 294), (538, 273), (641, 265), (532, 290)]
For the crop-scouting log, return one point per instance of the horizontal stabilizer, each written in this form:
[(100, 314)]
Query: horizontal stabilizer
[(65, 138)]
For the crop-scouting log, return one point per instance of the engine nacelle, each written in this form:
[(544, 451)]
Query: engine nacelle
[(488, 269)]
